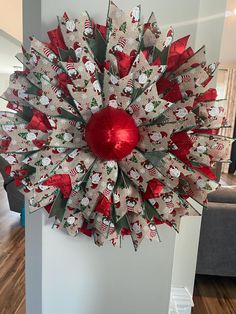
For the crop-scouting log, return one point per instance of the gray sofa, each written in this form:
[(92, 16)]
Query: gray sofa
[(217, 246), (15, 198)]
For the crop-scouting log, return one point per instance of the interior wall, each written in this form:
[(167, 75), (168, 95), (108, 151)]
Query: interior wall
[(9, 47), (181, 14), (11, 19), (210, 27), (4, 82), (228, 46)]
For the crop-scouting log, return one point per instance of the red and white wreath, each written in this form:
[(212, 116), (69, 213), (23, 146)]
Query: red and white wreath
[(113, 130)]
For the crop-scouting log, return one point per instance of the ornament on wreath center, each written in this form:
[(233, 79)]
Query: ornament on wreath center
[(111, 134)]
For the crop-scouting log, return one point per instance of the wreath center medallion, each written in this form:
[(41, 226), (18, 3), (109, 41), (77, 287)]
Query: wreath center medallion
[(111, 134)]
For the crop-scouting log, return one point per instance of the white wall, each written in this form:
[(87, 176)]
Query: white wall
[(80, 278), (228, 47), (210, 27), (185, 256), (9, 47), (168, 13), (4, 82)]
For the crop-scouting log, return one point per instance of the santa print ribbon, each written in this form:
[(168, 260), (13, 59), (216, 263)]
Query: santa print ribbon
[(15, 107), (20, 174), (184, 144)]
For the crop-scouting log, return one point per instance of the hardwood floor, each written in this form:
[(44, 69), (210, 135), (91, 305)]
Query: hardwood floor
[(212, 295), (228, 179), (12, 285)]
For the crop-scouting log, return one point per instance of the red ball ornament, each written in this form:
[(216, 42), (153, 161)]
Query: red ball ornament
[(111, 134)]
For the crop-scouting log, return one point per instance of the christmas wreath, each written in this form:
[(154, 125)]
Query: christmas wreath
[(112, 128)]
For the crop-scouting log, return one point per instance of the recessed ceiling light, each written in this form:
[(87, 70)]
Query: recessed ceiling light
[(235, 11)]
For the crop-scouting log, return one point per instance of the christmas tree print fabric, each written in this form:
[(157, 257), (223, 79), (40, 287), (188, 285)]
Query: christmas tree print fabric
[(113, 129)]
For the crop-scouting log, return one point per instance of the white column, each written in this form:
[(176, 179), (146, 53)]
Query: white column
[(80, 278), (34, 223), (66, 275), (210, 23)]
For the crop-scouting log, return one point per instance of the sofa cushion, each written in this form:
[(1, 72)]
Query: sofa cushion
[(217, 254), (15, 198), (223, 195)]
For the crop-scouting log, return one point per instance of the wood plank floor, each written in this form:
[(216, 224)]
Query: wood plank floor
[(228, 179), (212, 295), (12, 263)]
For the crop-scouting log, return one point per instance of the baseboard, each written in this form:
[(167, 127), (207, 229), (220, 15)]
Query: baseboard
[(181, 301)]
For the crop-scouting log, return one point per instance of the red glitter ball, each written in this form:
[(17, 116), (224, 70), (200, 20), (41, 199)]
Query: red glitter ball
[(111, 134)]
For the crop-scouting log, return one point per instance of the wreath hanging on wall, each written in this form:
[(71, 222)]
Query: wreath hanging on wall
[(113, 130)]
